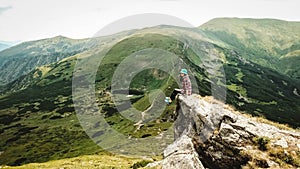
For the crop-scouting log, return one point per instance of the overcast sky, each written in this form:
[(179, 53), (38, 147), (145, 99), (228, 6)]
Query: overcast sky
[(23, 20)]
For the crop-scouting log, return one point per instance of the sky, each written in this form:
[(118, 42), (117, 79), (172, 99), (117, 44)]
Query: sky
[(25, 20)]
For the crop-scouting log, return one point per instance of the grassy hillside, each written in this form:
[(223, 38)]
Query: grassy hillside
[(262, 91), (263, 41), (25, 57), (38, 123), (45, 109), (105, 161)]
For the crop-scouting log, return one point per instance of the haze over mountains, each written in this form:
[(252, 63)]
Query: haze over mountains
[(260, 58), (5, 45)]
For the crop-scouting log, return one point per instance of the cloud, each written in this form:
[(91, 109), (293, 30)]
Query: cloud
[(3, 9)]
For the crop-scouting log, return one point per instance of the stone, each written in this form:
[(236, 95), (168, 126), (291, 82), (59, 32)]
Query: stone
[(181, 154), (156, 164), (272, 164), (282, 143), (228, 134)]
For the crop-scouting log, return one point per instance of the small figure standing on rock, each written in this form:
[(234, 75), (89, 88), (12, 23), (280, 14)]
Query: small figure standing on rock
[(185, 84)]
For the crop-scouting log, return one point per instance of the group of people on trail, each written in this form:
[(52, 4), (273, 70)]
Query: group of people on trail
[(186, 87)]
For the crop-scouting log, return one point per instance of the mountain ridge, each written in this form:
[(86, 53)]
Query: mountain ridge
[(264, 41), (41, 101), (21, 59)]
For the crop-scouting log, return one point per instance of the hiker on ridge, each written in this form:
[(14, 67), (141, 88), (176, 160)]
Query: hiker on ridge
[(185, 84)]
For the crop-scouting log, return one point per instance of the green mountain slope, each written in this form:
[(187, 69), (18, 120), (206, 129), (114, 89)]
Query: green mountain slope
[(266, 42), (46, 107), (23, 58), (38, 123)]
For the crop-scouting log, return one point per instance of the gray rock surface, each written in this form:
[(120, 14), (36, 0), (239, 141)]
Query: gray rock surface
[(182, 154), (210, 134)]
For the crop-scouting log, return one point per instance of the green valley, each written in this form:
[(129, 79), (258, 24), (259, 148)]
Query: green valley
[(38, 122)]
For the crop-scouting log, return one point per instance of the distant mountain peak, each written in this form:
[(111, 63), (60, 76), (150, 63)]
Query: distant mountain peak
[(60, 37), (25, 57)]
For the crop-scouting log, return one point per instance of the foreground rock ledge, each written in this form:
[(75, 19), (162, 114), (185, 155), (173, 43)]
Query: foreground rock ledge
[(210, 134)]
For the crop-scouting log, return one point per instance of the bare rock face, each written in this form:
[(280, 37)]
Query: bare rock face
[(209, 134), (182, 154)]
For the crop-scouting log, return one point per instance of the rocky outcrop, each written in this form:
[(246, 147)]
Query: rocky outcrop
[(181, 154), (210, 134)]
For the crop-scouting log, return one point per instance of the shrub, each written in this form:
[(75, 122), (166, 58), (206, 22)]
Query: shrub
[(140, 164), (285, 157), (262, 143)]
